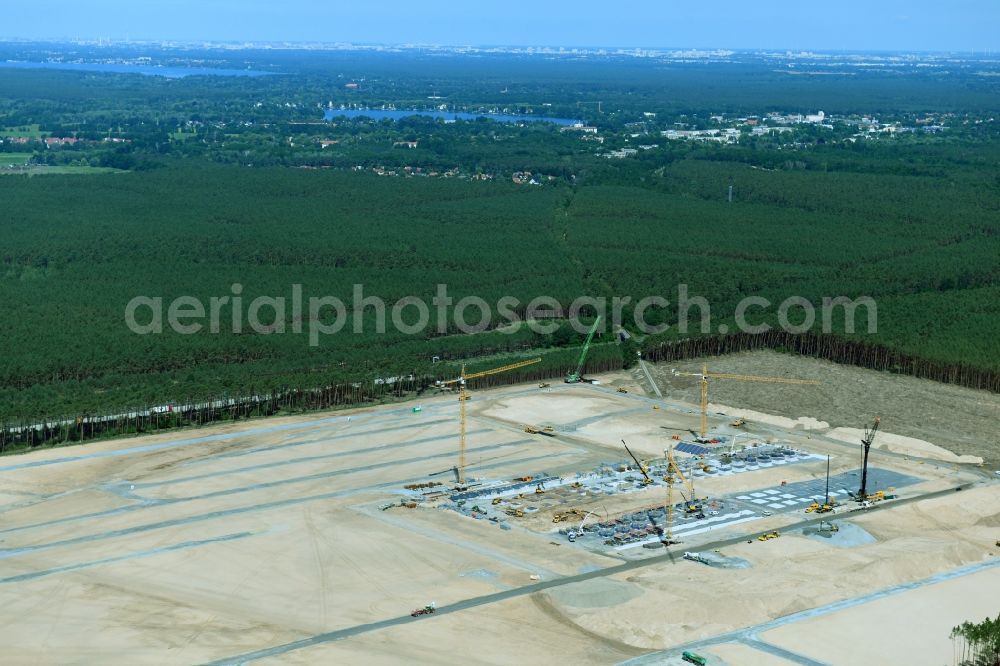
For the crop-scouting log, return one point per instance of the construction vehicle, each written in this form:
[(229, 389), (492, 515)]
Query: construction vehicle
[(767, 536), (694, 658), (576, 376), (646, 481), (535, 430), (704, 376), (866, 445), (461, 381), (826, 507), (426, 610), (497, 500), (622, 389), (572, 534), (738, 423), (561, 516), (544, 385), (539, 490), (517, 513)]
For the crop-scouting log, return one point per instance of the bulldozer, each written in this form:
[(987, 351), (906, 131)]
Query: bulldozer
[(768, 536), (517, 513)]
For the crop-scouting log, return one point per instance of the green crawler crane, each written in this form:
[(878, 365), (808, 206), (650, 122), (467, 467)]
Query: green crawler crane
[(577, 376)]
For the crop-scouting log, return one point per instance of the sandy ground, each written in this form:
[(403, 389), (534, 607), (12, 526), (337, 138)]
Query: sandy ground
[(203, 545), (924, 616), (906, 445), (794, 573), (961, 420)]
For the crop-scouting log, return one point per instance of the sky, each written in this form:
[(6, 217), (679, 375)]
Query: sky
[(855, 25)]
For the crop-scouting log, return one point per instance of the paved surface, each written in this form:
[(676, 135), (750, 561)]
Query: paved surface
[(797, 496)]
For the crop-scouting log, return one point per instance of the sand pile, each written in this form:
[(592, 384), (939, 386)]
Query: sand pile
[(905, 445), (803, 422)]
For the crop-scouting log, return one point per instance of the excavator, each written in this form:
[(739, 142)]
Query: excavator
[(646, 481)]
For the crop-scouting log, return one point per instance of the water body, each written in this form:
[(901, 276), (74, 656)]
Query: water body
[(382, 114), (122, 68)]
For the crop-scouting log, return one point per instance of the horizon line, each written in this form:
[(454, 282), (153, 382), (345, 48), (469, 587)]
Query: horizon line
[(109, 41)]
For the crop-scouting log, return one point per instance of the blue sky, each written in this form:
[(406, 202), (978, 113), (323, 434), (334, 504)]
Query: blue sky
[(958, 25)]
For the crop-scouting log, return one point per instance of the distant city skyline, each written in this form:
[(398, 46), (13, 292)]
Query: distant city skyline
[(849, 25)]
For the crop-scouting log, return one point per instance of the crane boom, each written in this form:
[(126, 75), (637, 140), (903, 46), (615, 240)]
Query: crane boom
[(577, 375), (493, 371), (463, 396), (503, 368), (706, 373), (642, 468), (755, 378)]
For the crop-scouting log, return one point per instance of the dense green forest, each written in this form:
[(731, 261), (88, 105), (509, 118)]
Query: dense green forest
[(203, 194)]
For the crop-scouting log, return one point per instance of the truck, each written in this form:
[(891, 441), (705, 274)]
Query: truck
[(694, 658), (426, 610)]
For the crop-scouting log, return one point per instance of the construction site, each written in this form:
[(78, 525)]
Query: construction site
[(597, 520)]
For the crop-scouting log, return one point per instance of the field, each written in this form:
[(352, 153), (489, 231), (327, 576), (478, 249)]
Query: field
[(286, 541), (23, 132), (958, 419), (13, 159), (43, 170)]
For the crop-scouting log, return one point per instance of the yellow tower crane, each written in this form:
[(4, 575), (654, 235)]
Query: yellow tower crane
[(705, 374), (690, 505), (463, 396)]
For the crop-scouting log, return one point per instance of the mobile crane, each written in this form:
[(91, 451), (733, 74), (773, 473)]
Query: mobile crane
[(576, 376)]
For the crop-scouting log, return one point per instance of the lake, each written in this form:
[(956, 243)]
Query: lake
[(122, 68), (382, 114)]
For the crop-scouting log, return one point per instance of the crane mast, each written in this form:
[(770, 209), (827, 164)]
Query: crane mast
[(576, 376), (866, 445), (463, 396)]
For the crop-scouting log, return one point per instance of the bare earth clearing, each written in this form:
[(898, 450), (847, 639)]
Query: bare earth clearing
[(961, 420), (274, 541)]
